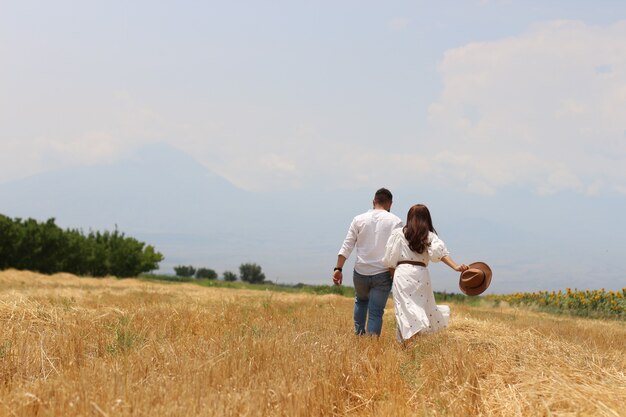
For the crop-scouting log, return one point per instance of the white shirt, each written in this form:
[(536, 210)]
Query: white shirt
[(369, 232)]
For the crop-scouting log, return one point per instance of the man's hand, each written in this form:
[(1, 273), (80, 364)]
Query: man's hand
[(337, 277), (337, 274)]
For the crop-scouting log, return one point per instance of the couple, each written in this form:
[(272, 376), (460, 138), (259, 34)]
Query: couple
[(390, 255)]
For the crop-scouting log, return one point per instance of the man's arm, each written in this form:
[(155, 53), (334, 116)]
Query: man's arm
[(338, 272), (350, 241), (345, 251)]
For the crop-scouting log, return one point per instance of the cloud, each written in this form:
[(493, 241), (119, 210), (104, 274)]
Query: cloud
[(88, 148), (91, 130), (544, 109), (398, 24), (17, 160), (30, 156), (262, 171)]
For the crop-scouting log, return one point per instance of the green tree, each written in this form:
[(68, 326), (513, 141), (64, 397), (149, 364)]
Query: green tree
[(97, 263), (251, 273), (54, 247), (206, 273), (150, 259), (75, 248), (9, 233), (230, 276), (45, 247), (184, 271), (129, 257)]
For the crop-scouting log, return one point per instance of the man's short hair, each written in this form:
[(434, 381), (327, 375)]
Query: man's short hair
[(383, 196)]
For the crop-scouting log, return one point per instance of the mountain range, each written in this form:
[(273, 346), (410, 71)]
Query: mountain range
[(166, 198)]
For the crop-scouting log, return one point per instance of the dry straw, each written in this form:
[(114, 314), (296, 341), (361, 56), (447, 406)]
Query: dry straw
[(103, 347)]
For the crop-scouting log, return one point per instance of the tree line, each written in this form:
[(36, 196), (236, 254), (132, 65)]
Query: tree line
[(45, 247), (248, 272)]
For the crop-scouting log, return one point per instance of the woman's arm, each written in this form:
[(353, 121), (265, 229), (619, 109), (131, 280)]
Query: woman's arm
[(392, 252), (450, 262)]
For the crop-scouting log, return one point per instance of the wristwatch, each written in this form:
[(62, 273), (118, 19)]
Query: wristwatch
[(338, 269)]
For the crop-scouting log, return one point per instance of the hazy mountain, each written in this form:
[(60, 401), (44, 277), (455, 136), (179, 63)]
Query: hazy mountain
[(164, 197), (193, 216), (153, 190)]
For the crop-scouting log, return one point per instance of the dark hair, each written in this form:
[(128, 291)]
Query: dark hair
[(383, 196), (418, 224)]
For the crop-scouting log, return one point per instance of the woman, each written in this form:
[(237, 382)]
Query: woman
[(408, 251)]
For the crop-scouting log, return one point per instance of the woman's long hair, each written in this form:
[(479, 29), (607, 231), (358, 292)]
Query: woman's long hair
[(418, 224)]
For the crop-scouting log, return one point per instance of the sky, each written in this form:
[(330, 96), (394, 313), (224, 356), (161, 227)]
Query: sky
[(477, 99)]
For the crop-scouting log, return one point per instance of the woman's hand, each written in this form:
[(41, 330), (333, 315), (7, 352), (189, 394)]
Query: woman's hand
[(448, 261)]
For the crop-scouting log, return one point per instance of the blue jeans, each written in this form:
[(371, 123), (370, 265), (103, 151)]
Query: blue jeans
[(372, 292)]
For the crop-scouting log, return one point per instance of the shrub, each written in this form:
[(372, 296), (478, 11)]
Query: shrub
[(230, 276), (251, 273), (184, 270), (591, 303), (206, 273)]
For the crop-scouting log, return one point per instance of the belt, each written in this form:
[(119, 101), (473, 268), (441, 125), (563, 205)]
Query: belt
[(418, 263)]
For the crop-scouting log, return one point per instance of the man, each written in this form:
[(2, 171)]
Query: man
[(369, 233)]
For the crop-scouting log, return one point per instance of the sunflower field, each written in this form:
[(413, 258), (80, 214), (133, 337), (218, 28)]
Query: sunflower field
[(591, 303)]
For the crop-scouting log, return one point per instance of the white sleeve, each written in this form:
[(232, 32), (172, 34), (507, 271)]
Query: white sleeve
[(392, 251), (437, 249), (350, 240)]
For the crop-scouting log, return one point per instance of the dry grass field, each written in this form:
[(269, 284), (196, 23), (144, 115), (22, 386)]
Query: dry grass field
[(103, 347)]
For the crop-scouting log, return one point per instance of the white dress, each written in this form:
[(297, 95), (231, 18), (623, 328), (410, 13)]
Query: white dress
[(413, 297)]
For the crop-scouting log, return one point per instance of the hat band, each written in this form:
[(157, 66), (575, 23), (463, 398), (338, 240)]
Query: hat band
[(481, 282)]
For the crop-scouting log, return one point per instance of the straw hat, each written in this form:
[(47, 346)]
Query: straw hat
[(476, 279)]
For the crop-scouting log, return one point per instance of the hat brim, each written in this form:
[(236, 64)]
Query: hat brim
[(483, 286)]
